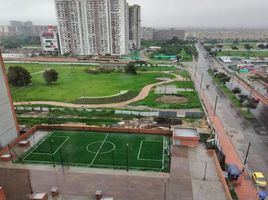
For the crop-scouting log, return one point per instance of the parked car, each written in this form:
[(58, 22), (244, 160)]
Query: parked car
[(259, 179)]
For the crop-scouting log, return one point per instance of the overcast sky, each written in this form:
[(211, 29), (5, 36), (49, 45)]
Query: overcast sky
[(157, 13)]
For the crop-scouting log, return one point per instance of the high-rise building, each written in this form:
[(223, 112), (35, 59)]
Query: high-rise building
[(18, 28), (134, 27), (8, 123), (91, 27)]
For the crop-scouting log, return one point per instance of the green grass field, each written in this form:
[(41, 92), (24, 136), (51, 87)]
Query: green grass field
[(104, 150), (73, 83), (243, 53), (150, 101)]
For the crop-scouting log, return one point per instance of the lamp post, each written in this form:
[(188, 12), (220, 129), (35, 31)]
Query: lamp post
[(205, 172), (215, 107), (165, 189), (201, 80), (127, 157), (246, 158)]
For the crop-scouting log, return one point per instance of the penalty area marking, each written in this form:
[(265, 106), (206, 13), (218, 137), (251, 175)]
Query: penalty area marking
[(138, 156)]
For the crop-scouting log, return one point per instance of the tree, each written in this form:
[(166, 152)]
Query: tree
[(50, 76), (236, 90), (18, 76), (236, 41), (247, 46), (10, 42), (234, 47), (261, 46), (130, 68), (242, 98), (251, 103)]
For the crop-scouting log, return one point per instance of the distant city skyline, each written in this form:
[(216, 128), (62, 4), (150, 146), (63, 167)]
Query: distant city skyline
[(158, 13)]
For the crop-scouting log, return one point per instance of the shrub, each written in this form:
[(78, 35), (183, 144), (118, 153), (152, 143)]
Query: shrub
[(236, 90)]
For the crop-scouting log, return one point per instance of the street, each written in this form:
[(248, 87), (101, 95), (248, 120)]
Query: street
[(239, 130)]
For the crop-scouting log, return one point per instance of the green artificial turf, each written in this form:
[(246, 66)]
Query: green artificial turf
[(105, 150)]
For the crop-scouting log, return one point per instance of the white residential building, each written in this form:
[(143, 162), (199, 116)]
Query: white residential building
[(91, 27), (49, 41), (134, 27)]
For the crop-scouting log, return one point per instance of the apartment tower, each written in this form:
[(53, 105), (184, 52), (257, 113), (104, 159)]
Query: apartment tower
[(134, 27), (91, 27)]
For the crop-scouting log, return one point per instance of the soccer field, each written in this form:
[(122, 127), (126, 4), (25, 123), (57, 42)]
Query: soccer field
[(104, 150)]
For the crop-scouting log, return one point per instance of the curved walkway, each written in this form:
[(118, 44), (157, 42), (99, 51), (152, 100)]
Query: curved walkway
[(142, 95)]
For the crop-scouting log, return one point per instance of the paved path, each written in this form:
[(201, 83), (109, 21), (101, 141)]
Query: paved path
[(142, 95)]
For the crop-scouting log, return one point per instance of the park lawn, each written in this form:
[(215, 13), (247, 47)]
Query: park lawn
[(157, 68), (73, 83), (150, 101), (243, 53), (185, 57), (184, 84)]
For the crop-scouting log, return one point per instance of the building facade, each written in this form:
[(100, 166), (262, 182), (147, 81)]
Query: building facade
[(8, 124), (49, 41), (18, 28), (134, 27), (92, 27)]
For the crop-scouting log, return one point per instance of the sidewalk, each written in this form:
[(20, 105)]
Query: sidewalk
[(245, 190)]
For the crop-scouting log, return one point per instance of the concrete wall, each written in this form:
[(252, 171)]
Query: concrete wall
[(8, 122)]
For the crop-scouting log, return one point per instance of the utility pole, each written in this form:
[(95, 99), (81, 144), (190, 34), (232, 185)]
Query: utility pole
[(52, 152), (215, 106), (127, 157), (165, 189), (205, 172), (201, 81), (195, 70), (246, 158)]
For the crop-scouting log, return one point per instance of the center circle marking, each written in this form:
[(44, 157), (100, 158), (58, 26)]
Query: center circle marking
[(100, 142)]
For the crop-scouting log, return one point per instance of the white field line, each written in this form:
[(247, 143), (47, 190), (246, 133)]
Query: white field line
[(36, 146), (99, 149), (163, 156), (38, 153), (138, 157), (61, 145)]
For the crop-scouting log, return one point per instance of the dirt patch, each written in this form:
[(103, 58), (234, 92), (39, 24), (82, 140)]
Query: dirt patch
[(171, 99)]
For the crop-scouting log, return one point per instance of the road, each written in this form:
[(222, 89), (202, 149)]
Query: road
[(240, 131)]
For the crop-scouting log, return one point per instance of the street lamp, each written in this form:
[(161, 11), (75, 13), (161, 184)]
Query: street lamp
[(165, 189), (127, 157), (215, 107)]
